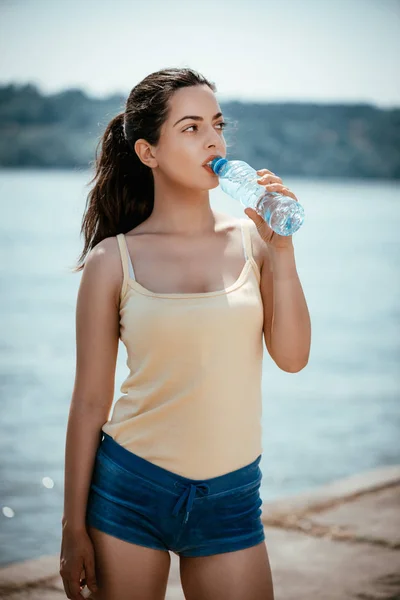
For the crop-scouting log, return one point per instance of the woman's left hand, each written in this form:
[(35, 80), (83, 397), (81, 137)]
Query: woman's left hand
[(272, 183)]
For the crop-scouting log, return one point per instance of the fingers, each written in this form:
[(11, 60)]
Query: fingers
[(264, 171), (274, 183), (90, 575), (279, 187), (271, 178), (72, 589), (73, 584), (262, 226), (255, 217), (287, 192)]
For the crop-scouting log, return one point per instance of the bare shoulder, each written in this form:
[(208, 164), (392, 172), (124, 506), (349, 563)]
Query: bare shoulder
[(104, 256), (103, 269)]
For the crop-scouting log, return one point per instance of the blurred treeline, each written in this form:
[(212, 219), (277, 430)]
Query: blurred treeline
[(317, 140)]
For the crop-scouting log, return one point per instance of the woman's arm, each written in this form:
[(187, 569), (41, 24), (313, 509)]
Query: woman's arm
[(287, 325), (97, 334)]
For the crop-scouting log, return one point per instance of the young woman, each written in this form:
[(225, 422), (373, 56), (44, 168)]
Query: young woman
[(192, 293)]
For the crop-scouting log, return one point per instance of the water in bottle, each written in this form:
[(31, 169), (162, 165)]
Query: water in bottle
[(283, 214)]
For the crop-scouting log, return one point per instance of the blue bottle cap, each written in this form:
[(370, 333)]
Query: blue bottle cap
[(217, 164)]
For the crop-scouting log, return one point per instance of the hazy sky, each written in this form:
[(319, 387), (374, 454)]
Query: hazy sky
[(321, 50)]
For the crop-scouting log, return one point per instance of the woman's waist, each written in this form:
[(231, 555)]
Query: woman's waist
[(190, 452)]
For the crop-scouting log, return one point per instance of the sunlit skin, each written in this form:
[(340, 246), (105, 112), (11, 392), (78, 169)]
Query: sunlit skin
[(181, 184), (272, 183), (182, 207)]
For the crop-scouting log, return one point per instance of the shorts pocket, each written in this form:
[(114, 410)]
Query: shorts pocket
[(241, 508), (246, 489), (122, 487), (113, 467)]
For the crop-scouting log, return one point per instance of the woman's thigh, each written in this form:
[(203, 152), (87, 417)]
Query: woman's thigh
[(128, 571), (238, 575)]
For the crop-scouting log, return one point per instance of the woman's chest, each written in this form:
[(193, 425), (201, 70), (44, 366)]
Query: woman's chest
[(235, 312), (189, 268)]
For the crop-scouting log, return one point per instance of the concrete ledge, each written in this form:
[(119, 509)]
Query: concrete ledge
[(327, 496), (29, 572)]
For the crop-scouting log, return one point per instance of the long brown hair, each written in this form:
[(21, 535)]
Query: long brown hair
[(123, 193)]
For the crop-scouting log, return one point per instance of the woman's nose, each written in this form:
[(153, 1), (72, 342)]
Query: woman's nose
[(214, 139)]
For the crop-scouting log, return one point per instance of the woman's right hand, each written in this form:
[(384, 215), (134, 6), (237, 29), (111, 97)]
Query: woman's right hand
[(77, 564)]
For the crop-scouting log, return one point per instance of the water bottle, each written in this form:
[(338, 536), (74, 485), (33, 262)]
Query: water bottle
[(283, 214)]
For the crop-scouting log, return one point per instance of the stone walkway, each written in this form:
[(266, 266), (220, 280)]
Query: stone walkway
[(339, 542)]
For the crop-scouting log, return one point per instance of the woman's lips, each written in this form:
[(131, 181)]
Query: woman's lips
[(209, 169)]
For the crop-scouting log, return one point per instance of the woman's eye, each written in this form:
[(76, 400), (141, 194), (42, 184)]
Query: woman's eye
[(222, 124)]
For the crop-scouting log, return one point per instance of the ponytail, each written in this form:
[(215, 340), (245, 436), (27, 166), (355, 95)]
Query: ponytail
[(123, 194)]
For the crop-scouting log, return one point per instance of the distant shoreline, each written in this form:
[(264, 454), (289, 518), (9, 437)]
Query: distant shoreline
[(296, 139), (89, 171)]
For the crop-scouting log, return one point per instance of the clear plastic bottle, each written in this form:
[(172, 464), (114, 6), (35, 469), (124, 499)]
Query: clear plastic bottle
[(283, 214)]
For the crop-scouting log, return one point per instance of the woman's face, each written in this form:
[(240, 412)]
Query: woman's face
[(186, 143)]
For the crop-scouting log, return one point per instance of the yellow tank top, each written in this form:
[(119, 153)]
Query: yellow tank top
[(192, 400)]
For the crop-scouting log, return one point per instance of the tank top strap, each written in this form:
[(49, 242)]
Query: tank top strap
[(247, 244), (127, 267)]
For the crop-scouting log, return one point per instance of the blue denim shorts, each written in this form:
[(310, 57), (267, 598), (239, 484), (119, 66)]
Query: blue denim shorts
[(140, 502)]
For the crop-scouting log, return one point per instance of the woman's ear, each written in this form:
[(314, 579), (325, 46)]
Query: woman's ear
[(145, 153)]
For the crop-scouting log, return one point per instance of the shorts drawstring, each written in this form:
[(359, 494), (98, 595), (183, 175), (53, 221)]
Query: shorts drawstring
[(189, 493)]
